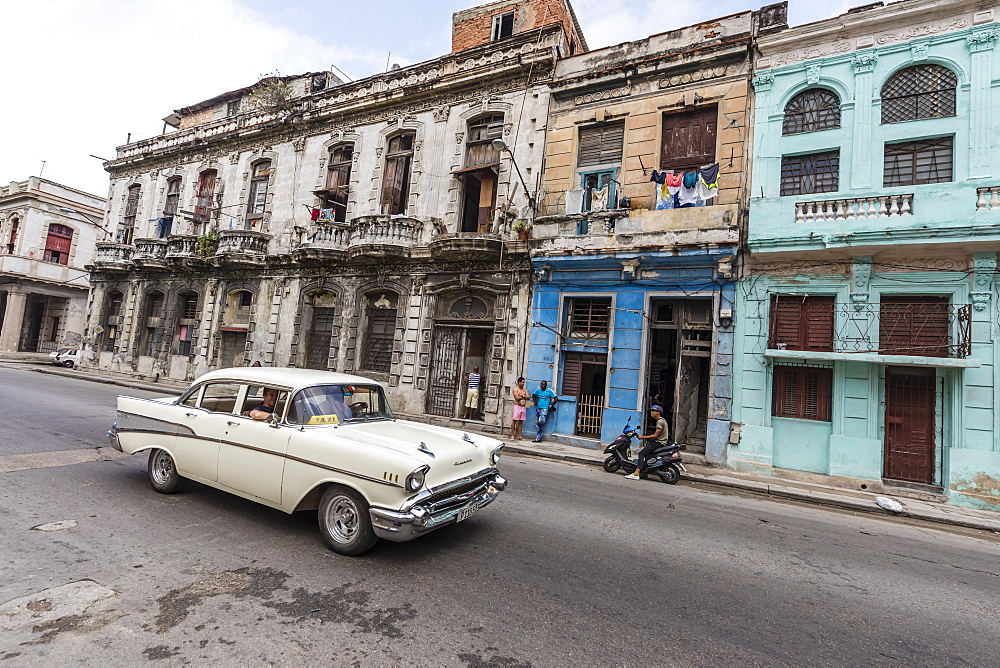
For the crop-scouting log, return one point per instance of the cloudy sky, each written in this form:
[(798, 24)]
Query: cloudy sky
[(80, 75)]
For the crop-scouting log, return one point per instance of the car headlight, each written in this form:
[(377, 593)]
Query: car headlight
[(415, 480), (495, 455)]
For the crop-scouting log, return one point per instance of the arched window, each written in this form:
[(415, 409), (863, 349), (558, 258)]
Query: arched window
[(127, 231), (187, 318), (170, 206), (396, 177), (15, 222), (152, 324), (810, 111), (381, 312), (112, 319), (258, 192), (918, 92), (338, 181)]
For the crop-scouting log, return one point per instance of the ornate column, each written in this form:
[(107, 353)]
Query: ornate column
[(762, 83), (861, 162), (981, 44)]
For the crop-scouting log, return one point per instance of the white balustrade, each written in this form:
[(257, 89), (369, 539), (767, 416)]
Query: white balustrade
[(988, 199), (853, 208)]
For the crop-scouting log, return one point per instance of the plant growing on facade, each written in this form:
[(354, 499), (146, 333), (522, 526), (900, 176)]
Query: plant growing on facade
[(271, 94), (522, 226), (208, 243)]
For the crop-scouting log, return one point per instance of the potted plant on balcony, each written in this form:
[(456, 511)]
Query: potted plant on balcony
[(523, 230), (208, 243)]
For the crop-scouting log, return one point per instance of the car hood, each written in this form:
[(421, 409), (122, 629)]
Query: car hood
[(451, 455)]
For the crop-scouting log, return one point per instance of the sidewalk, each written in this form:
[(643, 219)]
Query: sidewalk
[(697, 470)]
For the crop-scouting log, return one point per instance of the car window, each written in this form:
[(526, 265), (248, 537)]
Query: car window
[(255, 398), (192, 398), (333, 404), (220, 397)]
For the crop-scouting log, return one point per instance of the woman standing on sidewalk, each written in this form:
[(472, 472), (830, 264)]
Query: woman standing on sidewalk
[(521, 396)]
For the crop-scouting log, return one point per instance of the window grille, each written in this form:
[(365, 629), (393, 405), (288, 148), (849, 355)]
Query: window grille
[(810, 173), (589, 318), (811, 111), (919, 92), (918, 162), (189, 306), (914, 325), (378, 347)]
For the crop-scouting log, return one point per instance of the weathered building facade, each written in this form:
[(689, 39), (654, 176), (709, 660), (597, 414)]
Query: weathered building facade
[(635, 279), (868, 312), (47, 232), (361, 227)]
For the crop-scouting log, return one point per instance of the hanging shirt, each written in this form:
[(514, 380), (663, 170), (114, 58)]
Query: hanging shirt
[(673, 182), (599, 199), (314, 214), (708, 181), (574, 201), (688, 193)]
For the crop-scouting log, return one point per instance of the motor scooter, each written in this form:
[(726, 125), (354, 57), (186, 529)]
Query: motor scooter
[(665, 461)]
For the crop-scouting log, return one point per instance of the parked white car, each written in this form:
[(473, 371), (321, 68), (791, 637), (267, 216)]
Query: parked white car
[(66, 357), (321, 440)]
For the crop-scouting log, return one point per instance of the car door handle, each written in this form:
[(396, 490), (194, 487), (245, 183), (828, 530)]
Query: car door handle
[(231, 423), (191, 414)]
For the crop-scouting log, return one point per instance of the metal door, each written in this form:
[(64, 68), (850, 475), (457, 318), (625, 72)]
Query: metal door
[(444, 371), (909, 425), (318, 339)]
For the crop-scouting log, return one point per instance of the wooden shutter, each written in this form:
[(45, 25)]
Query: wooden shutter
[(572, 373), (802, 323), (803, 392), (601, 144), (914, 325), (688, 139), (817, 323)]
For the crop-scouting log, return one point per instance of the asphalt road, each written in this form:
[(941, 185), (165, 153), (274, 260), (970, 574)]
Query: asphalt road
[(571, 566)]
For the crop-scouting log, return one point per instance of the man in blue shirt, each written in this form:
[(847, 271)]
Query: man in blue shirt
[(545, 401)]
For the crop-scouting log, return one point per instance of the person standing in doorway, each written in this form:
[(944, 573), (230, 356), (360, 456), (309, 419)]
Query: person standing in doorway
[(521, 396), (545, 401), (472, 394)]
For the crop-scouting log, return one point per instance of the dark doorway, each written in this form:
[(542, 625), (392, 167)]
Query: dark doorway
[(456, 351), (479, 201), (584, 377), (909, 425), (233, 349), (33, 329), (319, 337)]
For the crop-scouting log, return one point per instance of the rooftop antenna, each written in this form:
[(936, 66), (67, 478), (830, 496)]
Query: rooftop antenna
[(42, 170), (387, 61)]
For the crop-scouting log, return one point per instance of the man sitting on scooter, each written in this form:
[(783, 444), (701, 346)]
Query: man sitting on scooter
[(660, 437)]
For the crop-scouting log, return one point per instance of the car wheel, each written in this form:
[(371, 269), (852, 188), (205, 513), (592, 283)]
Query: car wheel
[(612, 464), (670, 474), (163, 475), (344, 521), (68, 364)]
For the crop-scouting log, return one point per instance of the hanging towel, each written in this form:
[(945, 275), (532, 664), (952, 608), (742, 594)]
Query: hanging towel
[(326, 214), (664, 199), (314, 214), (708, 182), (599, 199), (673, 182), (574, 201), (689, 189)]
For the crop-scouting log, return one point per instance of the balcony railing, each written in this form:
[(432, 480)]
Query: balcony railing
[(850, 208), (150, 250), (329, 236), (108, 253), (385, 230), (181, 246), (988, 199), (932, 329), (242, 243)]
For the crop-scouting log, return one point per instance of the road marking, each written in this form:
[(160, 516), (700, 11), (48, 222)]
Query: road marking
[(44, 460)]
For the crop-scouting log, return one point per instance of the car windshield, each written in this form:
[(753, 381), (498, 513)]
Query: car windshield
[(335, 404), (64, 350)]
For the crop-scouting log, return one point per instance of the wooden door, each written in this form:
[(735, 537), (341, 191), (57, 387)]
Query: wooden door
[(909, 425)]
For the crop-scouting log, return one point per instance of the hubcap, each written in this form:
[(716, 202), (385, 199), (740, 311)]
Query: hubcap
[(342, 518), (163, 467)]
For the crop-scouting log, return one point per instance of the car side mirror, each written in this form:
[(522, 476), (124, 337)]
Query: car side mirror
[(272, 420)]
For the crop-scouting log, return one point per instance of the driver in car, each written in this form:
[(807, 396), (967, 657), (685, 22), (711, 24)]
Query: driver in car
[(265, 410)]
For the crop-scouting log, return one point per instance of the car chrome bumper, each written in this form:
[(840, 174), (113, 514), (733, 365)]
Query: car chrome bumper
[(402, 526), (113, 438)]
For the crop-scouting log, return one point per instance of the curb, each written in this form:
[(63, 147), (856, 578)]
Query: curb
[(150, 387), (817, 498)]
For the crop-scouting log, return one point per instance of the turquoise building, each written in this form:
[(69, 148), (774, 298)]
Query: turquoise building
[(867, 308)]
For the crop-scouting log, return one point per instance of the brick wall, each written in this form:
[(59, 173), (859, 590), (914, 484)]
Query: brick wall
[(197, 118), (473, 27)]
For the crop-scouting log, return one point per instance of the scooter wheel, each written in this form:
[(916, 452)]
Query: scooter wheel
[(612, 464), (670, 475)]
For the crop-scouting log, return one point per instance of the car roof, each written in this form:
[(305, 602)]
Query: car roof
[(285, 376)]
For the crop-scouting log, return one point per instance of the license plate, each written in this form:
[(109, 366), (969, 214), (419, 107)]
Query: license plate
[(468, 511)]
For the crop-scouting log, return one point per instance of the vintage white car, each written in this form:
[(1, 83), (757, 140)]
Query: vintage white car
[(297, 439)]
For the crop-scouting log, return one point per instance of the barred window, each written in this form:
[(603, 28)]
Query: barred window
[(589, 318), (918, 162), (381, 330), (810, 173), (918, 92), (810, 111)]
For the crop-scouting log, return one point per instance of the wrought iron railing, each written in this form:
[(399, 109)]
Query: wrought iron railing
[(589, 413)]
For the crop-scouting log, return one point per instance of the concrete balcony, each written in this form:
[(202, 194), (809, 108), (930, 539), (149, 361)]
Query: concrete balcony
[(467, 246), (241, 248), (327, 242), (852, 208), (375, 239), (150, 253), (110, 256), (181, 248)]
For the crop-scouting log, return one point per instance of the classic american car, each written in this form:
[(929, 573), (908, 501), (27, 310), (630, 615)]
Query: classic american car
[(327, 441)]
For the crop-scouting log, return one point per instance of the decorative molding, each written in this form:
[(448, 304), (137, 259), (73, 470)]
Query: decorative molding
[(982, 40), (864, 62), (861, 273), (441, 113), (690, 77), (918, 51), (811, 54), (812, 72), (763, 81), (921, 31)]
